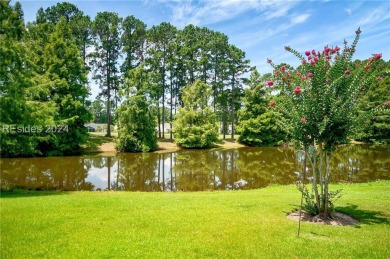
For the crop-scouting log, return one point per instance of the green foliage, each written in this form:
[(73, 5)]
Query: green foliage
[(65, 69), (136, 126), (259, 126), (195, 125), (136, 121), (264, 130), (20, 87), (43, 88), (373, 114), (318, 100), (104, 60)]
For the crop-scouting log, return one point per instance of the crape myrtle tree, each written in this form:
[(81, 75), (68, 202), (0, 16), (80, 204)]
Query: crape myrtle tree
[(319, 101), (195, 125)]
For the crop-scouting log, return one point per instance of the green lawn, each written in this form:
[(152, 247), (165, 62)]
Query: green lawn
[(223, 224)]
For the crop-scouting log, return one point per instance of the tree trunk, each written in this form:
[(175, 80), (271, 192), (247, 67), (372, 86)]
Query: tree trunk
[(326, 185), (232, 111)]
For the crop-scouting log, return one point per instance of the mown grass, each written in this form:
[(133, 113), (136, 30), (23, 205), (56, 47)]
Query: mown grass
[(224, 224)]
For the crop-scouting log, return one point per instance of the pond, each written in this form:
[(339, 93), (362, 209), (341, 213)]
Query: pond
[(187, 170)]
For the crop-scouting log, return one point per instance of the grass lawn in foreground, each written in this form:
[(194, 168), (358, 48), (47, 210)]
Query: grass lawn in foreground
[(222, 224)]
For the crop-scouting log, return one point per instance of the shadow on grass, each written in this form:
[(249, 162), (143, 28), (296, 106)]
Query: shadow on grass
[(20, 193), (368, 217), (94, 142)]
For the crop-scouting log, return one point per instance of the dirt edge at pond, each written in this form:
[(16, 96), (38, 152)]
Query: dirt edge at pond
[(165, 146), (338, 219)]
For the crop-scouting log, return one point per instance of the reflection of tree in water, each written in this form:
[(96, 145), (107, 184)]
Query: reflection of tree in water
[(360, 163), (136, 172), (192, 170), (261, 167), (58, 173)]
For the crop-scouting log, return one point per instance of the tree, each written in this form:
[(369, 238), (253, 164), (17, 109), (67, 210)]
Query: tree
[(259, 126), (372, 116), (235, 66), (98, 111), (106, 30), (136, 122), (68, 78), (79, 23), (161, 53), (23, 115), (195, 125), (133, 40), (320, 98)]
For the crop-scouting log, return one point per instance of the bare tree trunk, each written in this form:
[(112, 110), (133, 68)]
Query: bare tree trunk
[(326, 184), (158, 119)]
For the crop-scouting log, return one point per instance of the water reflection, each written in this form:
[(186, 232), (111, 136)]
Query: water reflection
[(187, 170)]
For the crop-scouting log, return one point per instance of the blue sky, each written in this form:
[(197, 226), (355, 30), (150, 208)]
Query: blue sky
[(261, 27)]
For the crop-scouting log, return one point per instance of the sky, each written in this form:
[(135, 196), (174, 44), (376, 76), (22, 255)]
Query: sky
[(261, 28)]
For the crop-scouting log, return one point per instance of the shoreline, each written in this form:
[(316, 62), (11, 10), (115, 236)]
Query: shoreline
[(164, 146)]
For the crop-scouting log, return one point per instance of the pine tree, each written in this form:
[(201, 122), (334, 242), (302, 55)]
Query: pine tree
[(136, 121), (259, 126), (65, 69), (106, 30), (195, 125)]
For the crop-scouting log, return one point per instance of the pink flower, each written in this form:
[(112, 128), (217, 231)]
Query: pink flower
[(387, 104), (347, 72), (283, 68), (276, 72), (316, 59), (327, 80), (367, 67), (326, 50), (336, 48), (310, 74), (297, 90), (379, 78), (378, 56), (313, 52), (272, 103), (303, 120), (270, 83), (303, 61), (303, 78), (298, 73), (307, 53)]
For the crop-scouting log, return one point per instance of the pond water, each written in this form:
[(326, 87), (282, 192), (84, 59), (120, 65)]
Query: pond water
[(187, 170)]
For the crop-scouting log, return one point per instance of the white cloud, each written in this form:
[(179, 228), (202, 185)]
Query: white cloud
[(300, 18), (209, 12)]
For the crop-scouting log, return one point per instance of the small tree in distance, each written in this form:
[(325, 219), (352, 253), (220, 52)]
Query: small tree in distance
[(318, 101), (195, 125)]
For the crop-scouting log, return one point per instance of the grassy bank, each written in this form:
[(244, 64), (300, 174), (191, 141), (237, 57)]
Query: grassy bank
[(226, 224)]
